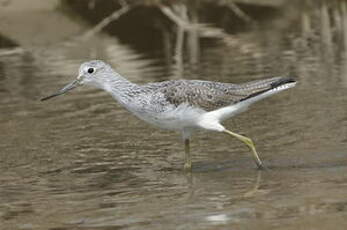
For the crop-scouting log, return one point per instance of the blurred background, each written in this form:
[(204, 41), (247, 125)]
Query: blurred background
[(80, 161)]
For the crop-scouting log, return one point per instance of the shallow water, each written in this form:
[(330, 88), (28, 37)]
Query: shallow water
[(80, 161)]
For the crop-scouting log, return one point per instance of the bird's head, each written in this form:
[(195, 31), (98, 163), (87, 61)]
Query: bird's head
[(94, 73)]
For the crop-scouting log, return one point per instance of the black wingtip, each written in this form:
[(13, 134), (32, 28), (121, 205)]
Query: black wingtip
[(282, 81), (277, 82)]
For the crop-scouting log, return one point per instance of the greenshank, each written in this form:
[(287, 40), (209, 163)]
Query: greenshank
[(181, 105)]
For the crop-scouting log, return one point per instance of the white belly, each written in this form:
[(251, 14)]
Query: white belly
[(178, 118)]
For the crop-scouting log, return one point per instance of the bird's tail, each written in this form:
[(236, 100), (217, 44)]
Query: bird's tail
[(254, 91), (264, 88)]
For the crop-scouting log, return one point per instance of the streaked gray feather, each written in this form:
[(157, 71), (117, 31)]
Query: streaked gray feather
[(207, 95)]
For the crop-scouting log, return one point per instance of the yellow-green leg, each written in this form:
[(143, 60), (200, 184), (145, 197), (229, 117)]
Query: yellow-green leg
[(250, 144), (187, 158)]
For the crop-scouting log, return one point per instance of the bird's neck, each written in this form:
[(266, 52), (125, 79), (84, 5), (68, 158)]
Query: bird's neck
[(121, 89)]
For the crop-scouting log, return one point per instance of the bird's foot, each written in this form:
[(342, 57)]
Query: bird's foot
[(261, 167), (187, 166)]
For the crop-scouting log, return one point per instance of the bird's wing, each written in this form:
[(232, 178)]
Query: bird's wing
[(209, 95)]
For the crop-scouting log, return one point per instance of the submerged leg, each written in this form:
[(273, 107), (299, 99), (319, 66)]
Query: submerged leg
[(250, 144), (187, 158)]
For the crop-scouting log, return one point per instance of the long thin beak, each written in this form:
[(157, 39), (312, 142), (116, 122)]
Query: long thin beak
[(67, 88)]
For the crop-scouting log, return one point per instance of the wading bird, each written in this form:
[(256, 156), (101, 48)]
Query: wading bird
[(181, 105)]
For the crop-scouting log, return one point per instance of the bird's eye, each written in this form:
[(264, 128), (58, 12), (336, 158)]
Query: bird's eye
[(91, 70)]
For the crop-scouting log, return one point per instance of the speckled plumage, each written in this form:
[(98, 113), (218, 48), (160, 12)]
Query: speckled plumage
[(206, 95)]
